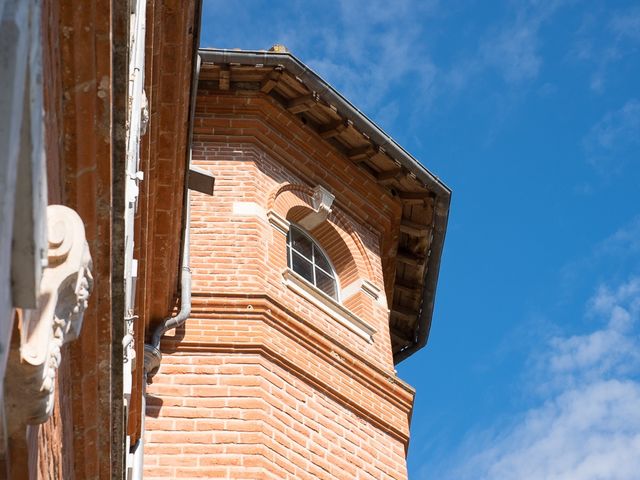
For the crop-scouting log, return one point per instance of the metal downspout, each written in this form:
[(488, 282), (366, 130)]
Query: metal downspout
[(152, 354), (170, 323)]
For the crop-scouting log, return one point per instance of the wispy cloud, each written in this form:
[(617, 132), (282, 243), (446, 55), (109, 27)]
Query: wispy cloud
[(587, 425), (364, 48), (610, 258), (513, 51), (605, 39), (626, 24), (512, 46), (614, 141), (368, 48), (624, 242), (373, 49)]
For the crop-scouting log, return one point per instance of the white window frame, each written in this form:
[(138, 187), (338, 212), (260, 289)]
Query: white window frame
[(314, 245)]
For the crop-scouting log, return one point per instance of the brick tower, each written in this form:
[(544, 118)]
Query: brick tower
[(314, 270)]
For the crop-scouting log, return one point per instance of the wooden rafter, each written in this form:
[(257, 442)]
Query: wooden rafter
[(408, 289), (360, 154), (414, 195), (413, 228), (410, 259), (415, 198), (270, 81), (399, 341), (390, 176), (334, 129), (403, 313), (302, 104)]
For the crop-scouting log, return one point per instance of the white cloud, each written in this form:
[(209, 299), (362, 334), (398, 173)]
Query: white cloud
[(373, 49), (590, 432), (624, 242), (610, 258), (510, 47), (607, 38), (587, 426), (614, 141), (514, 51), (626, 24)]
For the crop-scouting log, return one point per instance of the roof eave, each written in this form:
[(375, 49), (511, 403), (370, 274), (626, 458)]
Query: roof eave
[(331, 96), (328, 94)]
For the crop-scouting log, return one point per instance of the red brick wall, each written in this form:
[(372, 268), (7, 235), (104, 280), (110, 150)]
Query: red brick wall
[(243, 253), (242, 416), (260, 382)]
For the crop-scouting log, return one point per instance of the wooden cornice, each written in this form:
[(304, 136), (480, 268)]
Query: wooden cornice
[(305, 105)]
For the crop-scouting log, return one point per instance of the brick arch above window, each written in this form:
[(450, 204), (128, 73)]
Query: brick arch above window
[(304, 206)]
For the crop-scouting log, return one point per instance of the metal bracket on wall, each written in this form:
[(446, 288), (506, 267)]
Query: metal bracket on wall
[(201, 180)]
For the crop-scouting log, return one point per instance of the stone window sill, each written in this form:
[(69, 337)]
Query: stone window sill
[(328, 305)]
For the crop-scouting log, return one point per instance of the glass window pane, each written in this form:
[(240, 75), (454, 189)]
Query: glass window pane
[(300, 242), (325, 283), (302, 267), (322, 261)]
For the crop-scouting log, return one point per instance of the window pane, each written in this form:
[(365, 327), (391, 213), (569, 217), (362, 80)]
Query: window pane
[(322, 261), (325, 283), (302, 266), (300, 242)]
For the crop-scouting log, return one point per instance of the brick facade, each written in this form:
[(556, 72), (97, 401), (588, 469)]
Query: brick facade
[(261, 382)]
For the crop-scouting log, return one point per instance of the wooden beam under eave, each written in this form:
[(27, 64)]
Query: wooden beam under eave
[(410, 259), (413, 228), (270, 81), (334, 129), (420, 196), (360, 154), (390, 176), (404, 314), (415, 198), (225, 77), (399, 341), (408, 289), (302, 104)]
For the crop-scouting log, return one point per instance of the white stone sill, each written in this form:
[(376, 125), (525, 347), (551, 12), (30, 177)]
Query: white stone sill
[(328, 305)]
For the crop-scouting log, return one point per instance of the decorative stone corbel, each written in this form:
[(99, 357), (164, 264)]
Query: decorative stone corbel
[(322, 200), (64, 291)]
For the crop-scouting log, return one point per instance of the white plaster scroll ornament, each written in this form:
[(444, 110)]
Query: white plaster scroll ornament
[(64, 292), (322, 200)]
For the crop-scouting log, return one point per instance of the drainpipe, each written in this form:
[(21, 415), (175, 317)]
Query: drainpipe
[(185, 281), (152, 354)]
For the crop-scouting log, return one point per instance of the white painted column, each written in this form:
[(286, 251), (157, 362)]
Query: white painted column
[(137, 117)]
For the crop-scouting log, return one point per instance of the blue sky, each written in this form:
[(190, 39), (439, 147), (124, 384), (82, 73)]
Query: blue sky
[(530, 112)]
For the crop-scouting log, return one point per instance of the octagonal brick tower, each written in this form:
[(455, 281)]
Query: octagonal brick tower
[(314, 267)]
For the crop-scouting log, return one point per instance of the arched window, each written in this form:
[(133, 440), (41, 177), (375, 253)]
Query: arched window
[(307, 259)]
